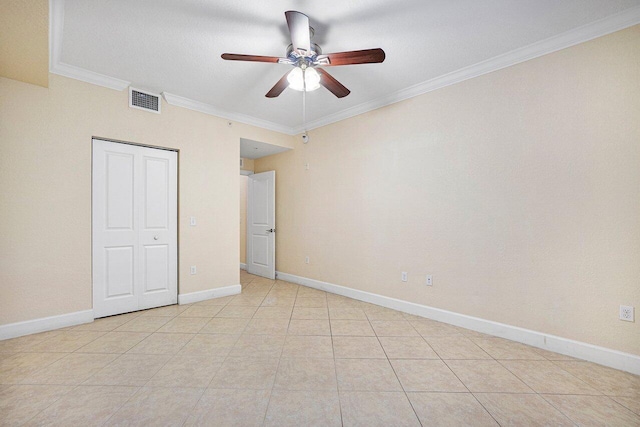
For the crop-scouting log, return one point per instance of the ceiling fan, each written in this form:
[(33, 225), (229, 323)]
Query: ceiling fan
[(307, 58)]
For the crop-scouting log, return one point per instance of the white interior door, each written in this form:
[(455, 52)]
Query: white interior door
[(261, 224), (134, 221)]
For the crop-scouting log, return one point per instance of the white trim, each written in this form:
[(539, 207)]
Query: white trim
[(192, 297), (243, 266), (202, 107), (13, 330), (602, 27), (56, 27), (604, 356), (87, 76)]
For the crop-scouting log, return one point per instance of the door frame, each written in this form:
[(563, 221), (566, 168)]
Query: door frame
[(157, 147)]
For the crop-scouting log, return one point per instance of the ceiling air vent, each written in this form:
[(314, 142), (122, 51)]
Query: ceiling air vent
[(144, 100)]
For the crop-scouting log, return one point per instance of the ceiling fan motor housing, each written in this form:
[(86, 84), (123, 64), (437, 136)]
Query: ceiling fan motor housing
[(311, 55)]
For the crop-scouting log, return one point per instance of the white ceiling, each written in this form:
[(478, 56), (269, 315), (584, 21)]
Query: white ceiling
[(174, 46)]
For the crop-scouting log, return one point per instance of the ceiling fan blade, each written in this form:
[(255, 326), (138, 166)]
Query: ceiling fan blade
[(366, 56), (334, 86), (299, 28), (277, 89), (253, 58)]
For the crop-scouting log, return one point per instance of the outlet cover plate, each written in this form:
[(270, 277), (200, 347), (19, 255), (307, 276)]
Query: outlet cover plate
[(626, 313)]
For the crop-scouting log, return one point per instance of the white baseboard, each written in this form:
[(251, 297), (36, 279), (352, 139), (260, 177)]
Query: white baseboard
[(601, 355), (243, 266), (13, 330), (192, 297)]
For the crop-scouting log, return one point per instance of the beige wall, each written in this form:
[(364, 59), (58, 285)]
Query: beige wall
[(24, 40), (248, 165), (243, 218), (45, 202), (518, 191)]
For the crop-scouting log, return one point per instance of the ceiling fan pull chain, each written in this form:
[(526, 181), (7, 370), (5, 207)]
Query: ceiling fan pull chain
[(304, 103)]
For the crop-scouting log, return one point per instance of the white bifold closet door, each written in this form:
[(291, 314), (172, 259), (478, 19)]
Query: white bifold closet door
[(135, 227)]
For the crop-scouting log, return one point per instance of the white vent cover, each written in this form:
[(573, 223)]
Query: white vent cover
[(144, 100)]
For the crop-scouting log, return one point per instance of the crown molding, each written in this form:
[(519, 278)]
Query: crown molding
[(608, 25), (56, 26), (87, 76), (567, 39), (202, 107)]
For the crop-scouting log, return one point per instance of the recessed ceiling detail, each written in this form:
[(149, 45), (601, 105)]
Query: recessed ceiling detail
[(255, 149), (176, 50)]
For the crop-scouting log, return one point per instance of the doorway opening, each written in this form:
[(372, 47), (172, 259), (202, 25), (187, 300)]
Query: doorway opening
[(257, 210)]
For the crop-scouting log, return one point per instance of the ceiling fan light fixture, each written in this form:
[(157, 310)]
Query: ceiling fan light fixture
[(304, 55), (311, 79)]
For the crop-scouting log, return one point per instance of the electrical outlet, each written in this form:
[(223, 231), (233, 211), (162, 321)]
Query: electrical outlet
[(192, 221), (626, 313), (429, 280), (193, 269), (306, 260), (306, 166), (404, 276)]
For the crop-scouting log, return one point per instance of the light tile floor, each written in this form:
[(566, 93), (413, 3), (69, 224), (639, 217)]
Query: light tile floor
[(284, 355)]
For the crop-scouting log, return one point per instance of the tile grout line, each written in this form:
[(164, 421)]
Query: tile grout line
[(501, 362), (157, 331), (147, 381), (624, 405), (225, 358), (559, 410), (456, 375), (598, 389), (335, 368), (212, 377), (122, 405), (48, 406), (275, 375), (470, 392), (395, 373), (447, 365)]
